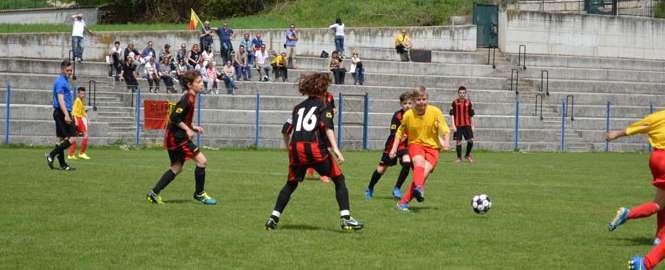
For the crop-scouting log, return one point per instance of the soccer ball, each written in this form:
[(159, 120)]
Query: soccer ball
[(481, 203)]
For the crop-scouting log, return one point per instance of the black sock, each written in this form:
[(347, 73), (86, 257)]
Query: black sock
[(406, 167), (285, 195), (200, 177), (469, 146), (375, 179), (61, 159), (458, 149), (341, 193), (60, 148), (164, 181)]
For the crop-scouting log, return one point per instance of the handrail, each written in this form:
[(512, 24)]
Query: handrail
[(491, 54), (71, 58), (572, 106), (546, 81), (514, 73), (521, 57), (539, 96), (92, 94)]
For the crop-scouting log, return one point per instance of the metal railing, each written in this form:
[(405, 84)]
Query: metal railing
[(514, 80), (521, 57), (71, 58), (571, 103), (545, 82), (491, 55), (538, 108), (92, 94), (364, 122)]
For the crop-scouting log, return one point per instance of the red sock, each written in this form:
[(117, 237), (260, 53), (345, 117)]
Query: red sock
[(84, 145), (419, 176), (654, 256), (72, 149), (406, 197), (643, 210)]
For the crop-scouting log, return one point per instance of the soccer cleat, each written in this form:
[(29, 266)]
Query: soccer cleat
[(369, 194), (49, 161), (67, 168), (397, 194), (403, 207), (636, 263), (152, 197), (469, 159), (271, 223), (419, 194), (350, 224), (84, 156), (205, 199), (72, 157), (620, 218)]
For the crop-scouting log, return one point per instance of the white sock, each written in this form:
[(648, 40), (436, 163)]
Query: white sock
[(276, 213), (344, 213)]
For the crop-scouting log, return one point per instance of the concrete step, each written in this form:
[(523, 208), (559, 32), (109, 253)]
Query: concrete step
[(590, 62)]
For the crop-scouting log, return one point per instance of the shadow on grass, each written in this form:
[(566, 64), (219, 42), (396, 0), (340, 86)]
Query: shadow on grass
[(178, 201), (300, 227), (637, 241), (417, 209)]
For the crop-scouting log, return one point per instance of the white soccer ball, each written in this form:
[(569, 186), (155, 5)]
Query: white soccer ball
[(481, 203)]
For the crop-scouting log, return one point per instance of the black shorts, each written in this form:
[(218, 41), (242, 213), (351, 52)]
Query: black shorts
[(328, 167), (465, 132), (183, 152), (62, 129), (389, 162)]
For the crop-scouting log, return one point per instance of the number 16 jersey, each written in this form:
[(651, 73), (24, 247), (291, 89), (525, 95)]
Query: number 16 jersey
[(310, 120)]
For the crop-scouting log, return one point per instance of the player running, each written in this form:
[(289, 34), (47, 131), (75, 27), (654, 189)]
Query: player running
[(654, 126), (428, 134), (80, 115), (402, 152), (178, 142), (461, 112), (312, 127)]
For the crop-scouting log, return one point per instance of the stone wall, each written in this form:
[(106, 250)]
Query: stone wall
[(47, 15)]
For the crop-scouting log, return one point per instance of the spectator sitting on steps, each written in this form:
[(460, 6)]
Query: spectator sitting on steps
[(152, 74), (279, 66), (403, 46), (228, 77)]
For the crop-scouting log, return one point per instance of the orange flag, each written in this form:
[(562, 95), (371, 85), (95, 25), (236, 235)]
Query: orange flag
[(194, 21)]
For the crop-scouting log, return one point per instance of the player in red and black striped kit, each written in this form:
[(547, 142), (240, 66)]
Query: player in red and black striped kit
[(329, 101), (178, 142), (462, 113), (405, 100), (308, 147)]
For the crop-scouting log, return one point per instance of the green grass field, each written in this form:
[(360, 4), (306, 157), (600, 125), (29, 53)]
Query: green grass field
[(550, 212)]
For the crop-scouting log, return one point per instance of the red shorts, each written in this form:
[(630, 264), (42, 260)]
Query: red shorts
[(81, 125), (657, 166), (327, 167), (430, 155)]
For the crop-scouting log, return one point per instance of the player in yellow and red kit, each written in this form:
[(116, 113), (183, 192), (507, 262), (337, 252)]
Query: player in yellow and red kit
[(654, 126), (81, 119)]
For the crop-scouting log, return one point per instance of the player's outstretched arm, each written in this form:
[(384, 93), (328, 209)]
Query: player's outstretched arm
[(615, 134), (333, 144)]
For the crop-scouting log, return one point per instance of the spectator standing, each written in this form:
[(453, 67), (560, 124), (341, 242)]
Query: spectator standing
[(337, 68), (115, 57), (225, 47), (128, 74), (249, 49), (78, 29), (403, 46), (290, 45), (152, 74), (261, 63), (242, 65), (339, 36), (279, 66), (357, 69), (79, 112), (206, 38), (228, 76)]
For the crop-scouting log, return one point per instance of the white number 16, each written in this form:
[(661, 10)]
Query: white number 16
[(310, 120)]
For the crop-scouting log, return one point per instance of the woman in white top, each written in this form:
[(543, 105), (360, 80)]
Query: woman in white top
[(339, 36), (207, 56), (152, 74)]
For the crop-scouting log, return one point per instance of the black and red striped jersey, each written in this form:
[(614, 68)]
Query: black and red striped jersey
[(309, 121), (395, 122), (183, 112), (462, 111)]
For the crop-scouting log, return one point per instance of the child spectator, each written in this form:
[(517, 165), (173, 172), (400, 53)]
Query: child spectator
[(357, 70), (403, 45)]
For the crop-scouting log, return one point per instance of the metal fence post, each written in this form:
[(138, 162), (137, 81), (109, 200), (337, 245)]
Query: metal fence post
[(340, 121), (198, 117), (607, 126), (366, 122), (563, 125), (258, 106), (517, 123), (138, 116), (7, 123)]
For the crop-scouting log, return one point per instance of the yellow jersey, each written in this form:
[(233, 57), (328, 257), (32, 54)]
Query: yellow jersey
[(79, 108), (423, 129), (654, 126), (401, 39), (279, 59)]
